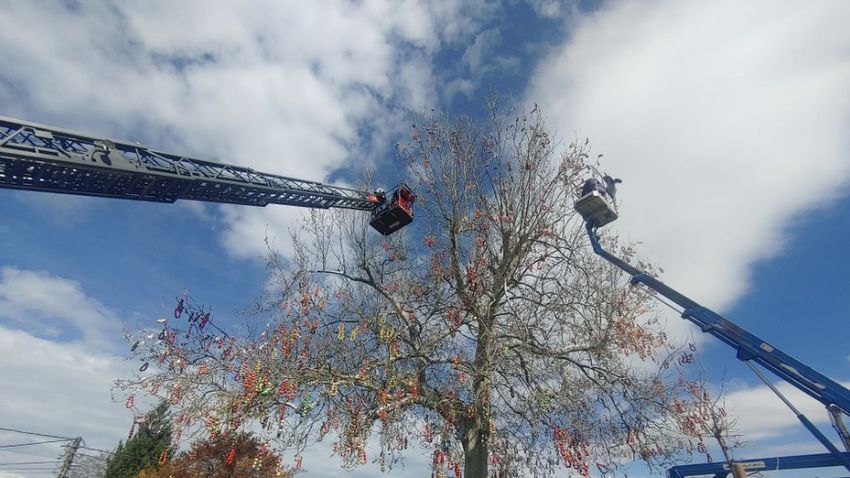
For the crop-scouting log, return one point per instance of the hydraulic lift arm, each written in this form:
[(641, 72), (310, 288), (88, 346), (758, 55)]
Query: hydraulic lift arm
[(749, 348), (747, 345)]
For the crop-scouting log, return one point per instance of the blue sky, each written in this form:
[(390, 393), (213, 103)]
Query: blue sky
[(728, 123)]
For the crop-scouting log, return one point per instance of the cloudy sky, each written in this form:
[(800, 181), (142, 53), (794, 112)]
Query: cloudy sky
[(727, 120)]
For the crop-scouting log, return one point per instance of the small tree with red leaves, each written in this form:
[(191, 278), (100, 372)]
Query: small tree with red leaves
[(237, 455)]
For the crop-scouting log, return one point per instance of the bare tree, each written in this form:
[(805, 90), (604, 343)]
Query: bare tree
[(489, 333), (701, 414)]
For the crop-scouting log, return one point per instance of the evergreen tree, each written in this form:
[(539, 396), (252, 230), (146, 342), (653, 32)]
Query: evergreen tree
[(145, 448)]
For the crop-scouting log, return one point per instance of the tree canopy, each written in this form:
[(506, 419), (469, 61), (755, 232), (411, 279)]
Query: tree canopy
[(237, 455), (487, 334)]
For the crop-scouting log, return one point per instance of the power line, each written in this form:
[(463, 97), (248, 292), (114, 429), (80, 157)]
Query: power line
[(30, 471), (67, 463), (87, 455), (34, 434), (33, 443), (97, 449), (22, 451), (42, 469)]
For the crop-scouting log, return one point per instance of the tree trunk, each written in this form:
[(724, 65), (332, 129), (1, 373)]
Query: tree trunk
[(474, 454)]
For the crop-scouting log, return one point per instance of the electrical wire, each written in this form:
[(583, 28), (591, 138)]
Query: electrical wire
[(42, 462), (83, 447), (43, 469), (30, 453), (34, 434), (36, 470), (33, 443)]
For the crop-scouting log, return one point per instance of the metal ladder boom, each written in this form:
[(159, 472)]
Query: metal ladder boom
[(46, 158)]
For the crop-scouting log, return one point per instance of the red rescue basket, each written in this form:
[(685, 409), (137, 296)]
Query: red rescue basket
[(394, 210)]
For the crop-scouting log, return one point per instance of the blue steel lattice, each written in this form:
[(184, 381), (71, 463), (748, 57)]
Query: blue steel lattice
[(45, 158)]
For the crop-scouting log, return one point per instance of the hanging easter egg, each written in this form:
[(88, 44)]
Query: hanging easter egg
[(178, 311)]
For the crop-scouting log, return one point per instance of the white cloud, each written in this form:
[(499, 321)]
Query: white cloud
[(726, 120), (483, 44), (58, 389), (481, 61), (282, 87), (456, 22), (256, 225), (550, 8), (54, 307), (460, 86), (761, 415), (58, 363)]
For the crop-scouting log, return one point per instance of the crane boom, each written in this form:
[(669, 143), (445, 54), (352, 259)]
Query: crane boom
[(747, 345), (598, 209), (46, 158)]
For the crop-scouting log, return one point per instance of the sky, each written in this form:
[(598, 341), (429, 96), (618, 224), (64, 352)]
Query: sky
[(727, 121)]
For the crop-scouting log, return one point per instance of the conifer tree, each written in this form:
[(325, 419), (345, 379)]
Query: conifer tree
[(150, 445)]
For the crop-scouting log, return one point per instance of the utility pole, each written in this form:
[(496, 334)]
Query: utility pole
[(70, 452)]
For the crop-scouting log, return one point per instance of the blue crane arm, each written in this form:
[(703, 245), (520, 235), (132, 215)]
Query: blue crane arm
[(46, 158), (747, 345), (796, 462)]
